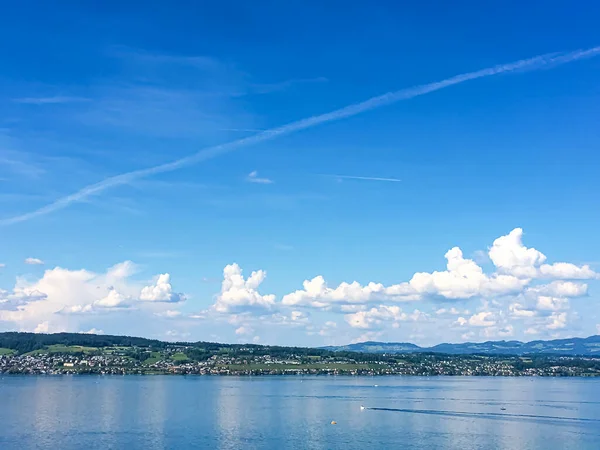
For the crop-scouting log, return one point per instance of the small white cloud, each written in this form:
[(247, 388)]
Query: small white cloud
[(482, 319), (2, 266), (560, 289), (113, 300), (161, 291), (567, 271), (532, 331), (375, 317), (34, 261), (42, 327), (461, 322), (545, 303), (518, 310), (254, 178), (93, 331), (557, 321), (244, 330), (170, 314)]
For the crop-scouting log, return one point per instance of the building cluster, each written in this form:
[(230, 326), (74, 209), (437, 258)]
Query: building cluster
[(170, 361)]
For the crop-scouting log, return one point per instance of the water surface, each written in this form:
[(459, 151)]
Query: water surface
[(175, 412)]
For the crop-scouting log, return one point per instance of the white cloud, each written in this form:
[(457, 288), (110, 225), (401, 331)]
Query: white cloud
[(451, 312), (463, 279), (510, 256), (170, 314), (254, 178), (375, 317), (93, 331), (60, 296), (2, 266), (238, 294), (560, 289), (42, 327), (567, 271), (518, 310), (244, 330), (557, 321), (545, 303), (161, 291), (34, 261), (461, 322), (598, 328), (112, 300), (482, 319)]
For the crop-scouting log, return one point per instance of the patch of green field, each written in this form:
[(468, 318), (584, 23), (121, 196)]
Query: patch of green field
[(152, 360), (179, 357), (59, 348), (6, 351)]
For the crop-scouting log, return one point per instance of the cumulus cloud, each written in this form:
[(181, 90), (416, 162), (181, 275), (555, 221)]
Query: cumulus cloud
[(518, 310), (161, 291), (374, 317), (463, 279), (510, 256), (567, 271), (482, 319), (61, 295), (557, 321), (560, 289), (112, 300), (239, 294), (34, 261), (546, 303)]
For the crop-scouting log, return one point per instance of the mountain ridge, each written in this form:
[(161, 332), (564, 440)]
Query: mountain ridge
[(589, 346)]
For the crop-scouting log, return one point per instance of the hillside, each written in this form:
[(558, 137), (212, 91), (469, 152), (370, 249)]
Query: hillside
[(573, 346)]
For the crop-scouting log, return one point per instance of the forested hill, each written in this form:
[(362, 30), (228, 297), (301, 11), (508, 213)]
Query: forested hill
[(573, 346), (28, 342), (23, 343)]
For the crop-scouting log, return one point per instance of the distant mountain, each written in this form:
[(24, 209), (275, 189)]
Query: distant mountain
[(574, 346)]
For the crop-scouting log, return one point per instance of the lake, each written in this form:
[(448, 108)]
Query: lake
[(176, 412)]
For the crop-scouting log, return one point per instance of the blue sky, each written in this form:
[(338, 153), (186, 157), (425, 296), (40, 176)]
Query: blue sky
[(88, 93)]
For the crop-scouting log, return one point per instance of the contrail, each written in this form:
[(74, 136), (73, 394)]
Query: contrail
[(351, 177), (537, 62)]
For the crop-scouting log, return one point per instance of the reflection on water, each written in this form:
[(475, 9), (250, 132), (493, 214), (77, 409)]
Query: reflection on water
[(136, 412)]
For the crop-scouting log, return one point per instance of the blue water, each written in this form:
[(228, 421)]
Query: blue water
[(156, 412)]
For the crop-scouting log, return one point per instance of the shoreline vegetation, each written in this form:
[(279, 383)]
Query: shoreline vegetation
[(71, 353)]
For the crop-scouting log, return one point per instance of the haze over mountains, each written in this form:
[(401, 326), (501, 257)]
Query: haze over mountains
[(573, 346)]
